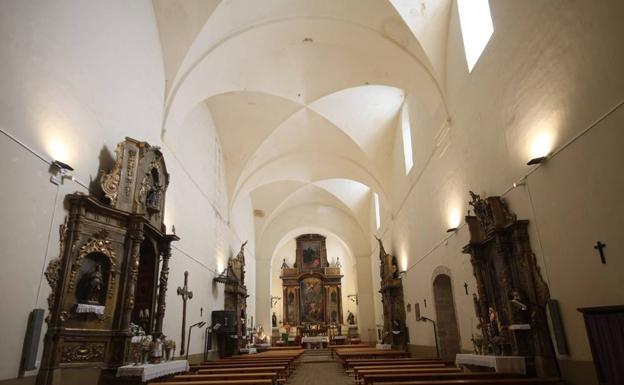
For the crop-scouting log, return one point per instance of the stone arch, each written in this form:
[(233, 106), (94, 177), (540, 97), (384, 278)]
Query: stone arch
[(448, 330)]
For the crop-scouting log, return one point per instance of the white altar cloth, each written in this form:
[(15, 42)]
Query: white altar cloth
[(150, 371), (88, 308), (502, 364), (316, 339)]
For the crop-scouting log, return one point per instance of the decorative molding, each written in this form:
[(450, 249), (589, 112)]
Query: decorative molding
[(110, 182), (82, 352)]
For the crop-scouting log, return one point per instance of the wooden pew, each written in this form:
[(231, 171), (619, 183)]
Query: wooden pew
[(359, 375), (383, 378), (359, 368), (491, 381), (225, 376), (281, 371), (396, 362), (218, 382)]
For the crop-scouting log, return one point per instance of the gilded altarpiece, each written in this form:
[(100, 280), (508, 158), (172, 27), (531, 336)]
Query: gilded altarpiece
[(235, 300), (511, 293), (394, 328), (312, 289), (113, 266)]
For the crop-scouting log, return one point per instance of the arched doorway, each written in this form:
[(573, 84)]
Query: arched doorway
[(448, 332)]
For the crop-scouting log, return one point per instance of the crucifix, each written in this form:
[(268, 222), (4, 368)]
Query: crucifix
[(466, 287), (186, 295), (600, 247)]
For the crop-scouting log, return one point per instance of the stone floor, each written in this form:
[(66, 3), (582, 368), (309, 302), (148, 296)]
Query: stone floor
[(320, 373)]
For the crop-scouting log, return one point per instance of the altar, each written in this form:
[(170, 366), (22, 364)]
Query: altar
[(320, 341), (149, 372), (500, 364)]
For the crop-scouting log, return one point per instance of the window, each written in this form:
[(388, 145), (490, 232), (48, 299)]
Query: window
[(476, 26), (377, 211), (406, 130)]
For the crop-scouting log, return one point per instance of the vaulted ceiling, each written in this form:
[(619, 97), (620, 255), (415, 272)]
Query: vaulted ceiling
[(305, 96)]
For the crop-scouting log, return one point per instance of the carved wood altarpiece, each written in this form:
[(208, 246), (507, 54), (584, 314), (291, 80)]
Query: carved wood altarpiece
[(395, 331), (512, 294), (113, 266), (312, 288)]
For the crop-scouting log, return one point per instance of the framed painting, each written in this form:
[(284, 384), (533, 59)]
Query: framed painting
[(312, 309), (311, 258)]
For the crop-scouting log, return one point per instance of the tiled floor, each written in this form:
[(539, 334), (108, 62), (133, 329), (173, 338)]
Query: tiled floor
[(325, 373)]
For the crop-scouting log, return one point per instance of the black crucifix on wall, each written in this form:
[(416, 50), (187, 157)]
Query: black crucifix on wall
[(600, 247), (466, 287), (186, 295)]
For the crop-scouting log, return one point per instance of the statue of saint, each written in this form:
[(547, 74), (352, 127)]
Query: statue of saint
[(284, 264), (96, 283), (157, 350), (274, 320), (350, 318)]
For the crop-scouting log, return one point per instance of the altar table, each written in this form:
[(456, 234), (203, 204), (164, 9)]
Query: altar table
[(150, 371), (501, 364), (315, 340)]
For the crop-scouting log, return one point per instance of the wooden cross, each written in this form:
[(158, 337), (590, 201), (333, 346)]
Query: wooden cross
[(186, 295), (600, 247), (466, 287)]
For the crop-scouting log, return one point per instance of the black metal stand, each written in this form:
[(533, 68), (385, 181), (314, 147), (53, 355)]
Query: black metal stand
[(435, 333), (200, 324)]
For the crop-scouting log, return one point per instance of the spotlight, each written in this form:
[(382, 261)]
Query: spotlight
[(538, 160), (452, 230), (518, 184), (63, 167)]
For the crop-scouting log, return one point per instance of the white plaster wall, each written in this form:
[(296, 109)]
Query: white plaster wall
[(77, 78), (550, 67), (335, 248)]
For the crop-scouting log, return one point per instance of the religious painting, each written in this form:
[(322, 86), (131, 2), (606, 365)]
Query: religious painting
[(290, 305), (311, 255), (312, 300)]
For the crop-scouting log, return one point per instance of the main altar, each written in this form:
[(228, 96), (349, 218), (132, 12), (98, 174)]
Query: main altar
[(312, 288)]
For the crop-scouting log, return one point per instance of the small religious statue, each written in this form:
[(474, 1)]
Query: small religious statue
[(477, 344), (284, 264), (519, 313), (274, 320), (157, 350), (153, 197), (350, 318), (338, 264), (96, 283)]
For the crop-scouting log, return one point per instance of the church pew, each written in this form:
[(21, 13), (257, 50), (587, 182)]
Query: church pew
[(397, 361), (356, 369), (226, 376), (490, 381), (281, 371), (218, 382), (358, 374), (228, 365), (369, 354), (380, 378)]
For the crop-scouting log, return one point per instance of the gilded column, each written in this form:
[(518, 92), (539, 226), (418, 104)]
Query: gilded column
[(136, 238), (162, 284)]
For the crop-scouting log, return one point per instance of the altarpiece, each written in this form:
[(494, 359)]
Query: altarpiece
[(511, 298), (312, 288), (113, 267), (394, 328)]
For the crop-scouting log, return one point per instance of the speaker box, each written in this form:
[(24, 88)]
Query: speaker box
[(226, 319), (31, 341)]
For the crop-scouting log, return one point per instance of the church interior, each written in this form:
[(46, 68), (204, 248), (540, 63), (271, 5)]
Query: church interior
[(312, 192)]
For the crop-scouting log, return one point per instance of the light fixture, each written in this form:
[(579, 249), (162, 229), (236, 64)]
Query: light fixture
[(200, 325), (451, 230), (353, 298), (537, 160), (274, 300), (520, 183), (402, 273), (60, 168)]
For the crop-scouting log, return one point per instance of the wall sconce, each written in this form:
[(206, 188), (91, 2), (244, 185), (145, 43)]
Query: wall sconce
[(452, 230), (538, 160), (274, 301), (519, 183), (353, 298), (402, 273)]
